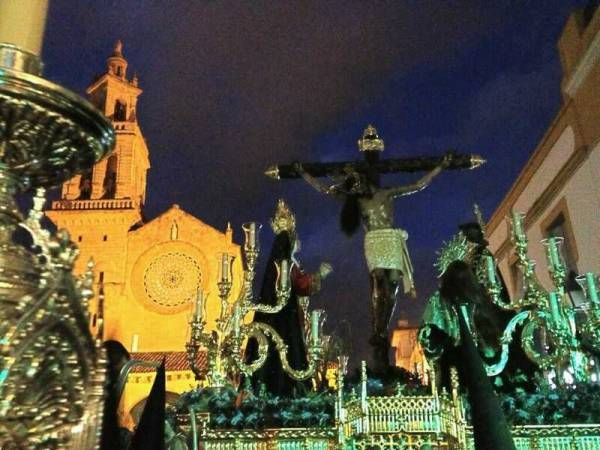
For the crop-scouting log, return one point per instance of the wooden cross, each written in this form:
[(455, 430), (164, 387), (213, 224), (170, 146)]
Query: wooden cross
[(371, 145)]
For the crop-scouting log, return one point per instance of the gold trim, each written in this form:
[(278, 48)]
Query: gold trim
[(283, 218)]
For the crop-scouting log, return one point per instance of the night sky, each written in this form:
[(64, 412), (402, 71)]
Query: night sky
[(232, 87)]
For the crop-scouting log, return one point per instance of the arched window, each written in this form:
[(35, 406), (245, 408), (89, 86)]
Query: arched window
[(85, 186), (110, 178), (120, 111)]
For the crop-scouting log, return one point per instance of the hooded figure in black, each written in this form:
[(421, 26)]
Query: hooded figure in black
[(113, 437), (449, 335), (289, 322)]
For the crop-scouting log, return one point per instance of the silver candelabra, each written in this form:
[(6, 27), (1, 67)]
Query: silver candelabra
[(52, 370), (553, 336), (224, 345)]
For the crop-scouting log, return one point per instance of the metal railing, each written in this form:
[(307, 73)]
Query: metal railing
[(404, 422), (121, 203), (551, 437), (269, 439), (395, 423), (121, 126)]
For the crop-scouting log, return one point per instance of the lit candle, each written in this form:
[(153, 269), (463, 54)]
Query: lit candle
[(343, 364), (22, 23), (314, 326), (491, 268), (591, 287), (199, 305), (546, 242), (517, 222), (553, 253), (252, 235), (284, 273), (225, 268), (554, 307), (236, 320)]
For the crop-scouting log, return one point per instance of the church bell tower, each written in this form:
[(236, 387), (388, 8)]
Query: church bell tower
[(100, 207), (122, 176)]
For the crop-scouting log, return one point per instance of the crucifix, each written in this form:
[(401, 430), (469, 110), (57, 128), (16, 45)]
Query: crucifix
[(357, 185)]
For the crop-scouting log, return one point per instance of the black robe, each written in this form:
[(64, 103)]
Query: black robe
[(287, 323), (491, 333), (453, 344)]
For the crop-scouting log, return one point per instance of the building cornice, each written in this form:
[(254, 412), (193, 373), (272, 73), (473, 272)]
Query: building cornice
[(110, 78), (584, 67)]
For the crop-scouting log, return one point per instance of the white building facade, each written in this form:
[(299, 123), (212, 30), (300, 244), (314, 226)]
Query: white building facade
[(558, 190)]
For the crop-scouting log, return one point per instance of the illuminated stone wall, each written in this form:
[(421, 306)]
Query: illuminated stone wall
[(149, 272)]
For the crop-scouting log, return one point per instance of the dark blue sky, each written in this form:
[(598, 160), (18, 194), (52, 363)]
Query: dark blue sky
[(231, 87)]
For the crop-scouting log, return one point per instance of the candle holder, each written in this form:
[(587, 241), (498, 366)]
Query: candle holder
[(556, 268), (533, 292), (224, 284), (589, 284), (549, 335), (340, 410), (590, 328), (532, 299), (224, 345), (251, 244), (47, 135)]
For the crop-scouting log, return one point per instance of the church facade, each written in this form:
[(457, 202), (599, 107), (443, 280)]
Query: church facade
[(147, 273), (408, 354)]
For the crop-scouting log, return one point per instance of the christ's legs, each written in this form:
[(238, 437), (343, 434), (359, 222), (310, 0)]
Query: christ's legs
[(384, 286)]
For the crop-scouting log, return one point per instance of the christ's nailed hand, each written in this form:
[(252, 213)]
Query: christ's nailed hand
[(325, 269), (448, 157)]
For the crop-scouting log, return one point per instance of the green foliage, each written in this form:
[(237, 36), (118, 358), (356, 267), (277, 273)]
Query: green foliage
[(552, 406), (394, 381), (247, 410)]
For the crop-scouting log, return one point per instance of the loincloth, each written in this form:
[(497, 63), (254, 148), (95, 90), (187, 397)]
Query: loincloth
[(386, 249)]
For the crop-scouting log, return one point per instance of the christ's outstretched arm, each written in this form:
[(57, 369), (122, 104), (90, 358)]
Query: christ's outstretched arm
[(421, 183), (316, 183)]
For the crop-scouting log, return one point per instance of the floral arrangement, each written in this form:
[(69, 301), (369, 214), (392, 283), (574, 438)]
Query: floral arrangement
[(394, 381), (546, 404), (246, 409), (550, 405)]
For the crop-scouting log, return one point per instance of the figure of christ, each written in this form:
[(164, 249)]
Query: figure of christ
[(385, 248)]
